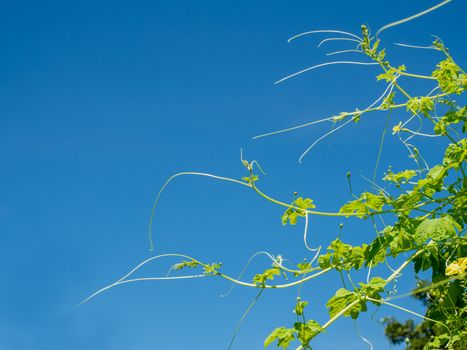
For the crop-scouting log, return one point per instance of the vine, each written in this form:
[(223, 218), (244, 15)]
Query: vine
[(426, 206)]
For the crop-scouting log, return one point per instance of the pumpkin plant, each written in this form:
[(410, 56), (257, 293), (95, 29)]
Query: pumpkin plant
[(425, 206)]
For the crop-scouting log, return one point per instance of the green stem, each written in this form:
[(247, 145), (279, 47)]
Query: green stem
[(408, 311), (416, 75), (403, 266), (239, 324), (340, 313), (279, 286), (322, 213)]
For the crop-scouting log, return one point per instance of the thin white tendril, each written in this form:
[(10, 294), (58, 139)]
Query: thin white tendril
[(324, 119), (294, 127), (259, 167), (240, 275), (388, 91), (144, 262), (407, 19), (313, 250), (427, 167), (420, 125), (420, 133), (157, 279), (171, 269), (409, 147), (369, 273), (434, 89), (323, 137), (305, 234), (384, 302), (342, 51), (134, 270), (431, 47), (323, 65), (382, 220), (136, 280), (315, 257), (337, 39), (245, 163), (370, 344), (156, 201), (374, 184), (405, 141), (388, 88), (239, 324), (323, 31), (409, 120)]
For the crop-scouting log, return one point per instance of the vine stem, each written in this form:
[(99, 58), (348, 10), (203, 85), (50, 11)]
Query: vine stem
[(239, 324), (336, 316), (403, 266), (312, 212), (279, 286), (416, 75), (123, 280), (342, 115), (322, 213), (275, 262), (383, 302), (340, 313), (355, 302)]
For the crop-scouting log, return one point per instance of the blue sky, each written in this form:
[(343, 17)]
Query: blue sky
[(101, 101)]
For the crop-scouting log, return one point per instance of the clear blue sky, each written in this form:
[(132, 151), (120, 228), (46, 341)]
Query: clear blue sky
[(101, 101)]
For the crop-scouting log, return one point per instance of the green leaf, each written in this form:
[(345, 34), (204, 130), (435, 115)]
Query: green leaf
[(292, 213), (420, 105), (342, 256), (289, 215), (438, 229), (190, 264), (433, 182), (373, 288), (450, 77), (390, 74), (307, 331), (455, 154), (363, 205), (261, 278), (388, 101), (284, 337), (299, 307), (452, 117), (212, 269), (400, 177), (340, 300), (251, 179), (375, 252), (304, 204), (303, 267)]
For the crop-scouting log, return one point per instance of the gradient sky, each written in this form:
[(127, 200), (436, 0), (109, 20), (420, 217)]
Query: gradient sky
[(101, 101)]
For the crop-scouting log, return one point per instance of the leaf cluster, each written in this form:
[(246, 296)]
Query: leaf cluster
[(298, 207)]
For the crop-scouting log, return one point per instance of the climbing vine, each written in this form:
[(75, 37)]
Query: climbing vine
[(426, 206)]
